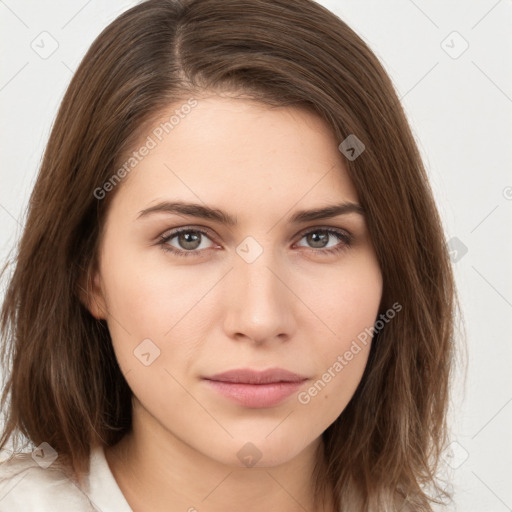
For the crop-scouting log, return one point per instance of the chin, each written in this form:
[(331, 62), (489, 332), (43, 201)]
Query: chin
[(253, 451)]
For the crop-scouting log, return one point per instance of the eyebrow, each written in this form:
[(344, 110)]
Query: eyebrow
[(217, 215)]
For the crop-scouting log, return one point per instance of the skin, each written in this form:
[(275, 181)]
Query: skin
[(295, 306)]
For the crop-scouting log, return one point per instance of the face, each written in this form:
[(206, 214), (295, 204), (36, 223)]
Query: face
[(187, 295)]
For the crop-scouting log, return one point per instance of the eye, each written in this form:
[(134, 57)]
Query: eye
[(188, 241), (191, 242), (318, 239)]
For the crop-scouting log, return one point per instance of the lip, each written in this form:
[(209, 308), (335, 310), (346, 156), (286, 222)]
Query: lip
[(254, 388), (250, 376)]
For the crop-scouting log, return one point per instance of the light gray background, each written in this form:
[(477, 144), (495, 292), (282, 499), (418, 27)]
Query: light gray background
[(460, 108)]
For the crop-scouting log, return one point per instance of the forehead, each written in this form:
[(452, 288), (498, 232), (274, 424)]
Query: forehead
[(237, 152)]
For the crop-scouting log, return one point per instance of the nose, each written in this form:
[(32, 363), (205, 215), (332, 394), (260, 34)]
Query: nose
[(260, 302)]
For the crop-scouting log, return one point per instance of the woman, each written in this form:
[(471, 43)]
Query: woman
[(232, 290)]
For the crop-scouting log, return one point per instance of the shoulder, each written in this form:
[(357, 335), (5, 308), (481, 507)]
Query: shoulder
[(27, 486)]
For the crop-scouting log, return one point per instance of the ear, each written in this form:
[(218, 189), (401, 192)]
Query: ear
[(91, 294)]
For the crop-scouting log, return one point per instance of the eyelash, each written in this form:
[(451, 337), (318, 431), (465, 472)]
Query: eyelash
[(341, 235)]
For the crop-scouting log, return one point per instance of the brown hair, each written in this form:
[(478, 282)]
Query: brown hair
[(64, 382)]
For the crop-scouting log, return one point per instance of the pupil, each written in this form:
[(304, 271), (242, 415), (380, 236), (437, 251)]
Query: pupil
[(315, 239), (190, 240)]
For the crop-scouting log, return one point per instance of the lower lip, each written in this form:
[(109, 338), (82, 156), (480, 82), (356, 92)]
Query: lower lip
[(256, 395)]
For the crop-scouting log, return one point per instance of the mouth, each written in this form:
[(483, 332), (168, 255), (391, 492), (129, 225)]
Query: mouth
[(256, 389)]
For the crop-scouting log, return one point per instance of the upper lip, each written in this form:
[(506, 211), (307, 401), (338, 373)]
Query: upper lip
[(250, 376)]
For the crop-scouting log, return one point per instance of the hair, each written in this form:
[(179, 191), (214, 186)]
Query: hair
[(64, 384)]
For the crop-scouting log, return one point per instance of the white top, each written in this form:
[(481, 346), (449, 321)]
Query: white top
[(26, 486)]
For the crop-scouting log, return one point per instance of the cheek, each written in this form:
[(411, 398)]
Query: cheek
[(348, 300), (349, 306), (148, 293), (153, 326), (145, 300)]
